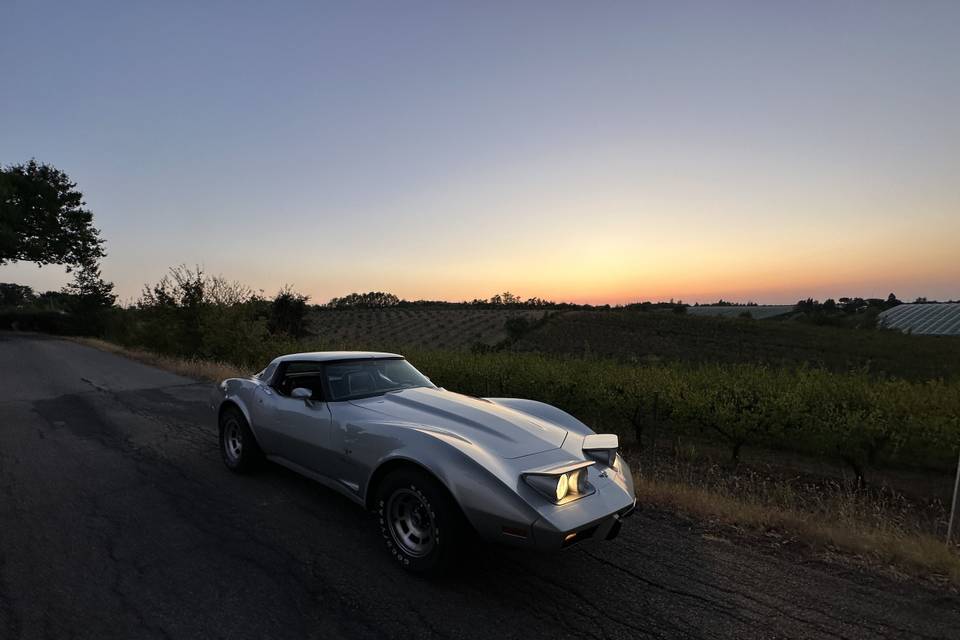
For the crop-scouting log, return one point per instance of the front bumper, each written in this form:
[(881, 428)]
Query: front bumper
[(618, 519), (547, 537), (596, 516)]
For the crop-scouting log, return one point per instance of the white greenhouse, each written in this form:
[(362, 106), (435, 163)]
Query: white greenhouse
[(942, 319)]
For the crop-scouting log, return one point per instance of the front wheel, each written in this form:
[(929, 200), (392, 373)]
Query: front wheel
[(420, 522), (238, 446)]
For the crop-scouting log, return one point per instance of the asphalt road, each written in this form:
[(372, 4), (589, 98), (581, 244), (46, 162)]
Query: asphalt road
[(118, 520)]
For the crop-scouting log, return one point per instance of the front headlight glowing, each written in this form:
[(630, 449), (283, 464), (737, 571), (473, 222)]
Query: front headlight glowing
[(560, 486), (577, 481), (563, 486)]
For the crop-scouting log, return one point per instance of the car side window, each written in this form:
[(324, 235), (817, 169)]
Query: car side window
[(307, 375)]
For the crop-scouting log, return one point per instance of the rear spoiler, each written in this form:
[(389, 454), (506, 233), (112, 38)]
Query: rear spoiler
[(602, 447)]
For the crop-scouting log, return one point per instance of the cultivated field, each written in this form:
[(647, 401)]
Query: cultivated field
[(757, 312), (667, 337), (399, 328)]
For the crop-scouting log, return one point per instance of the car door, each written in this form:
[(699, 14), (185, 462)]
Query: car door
[(296, 429), (263, 413), (302, 433)]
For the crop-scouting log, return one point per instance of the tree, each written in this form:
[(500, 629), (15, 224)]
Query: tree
[(369, 300), (177, 302), (192, 314), (43, 218), (288, 313), (55, 301), (516, 327), (15, 295), (90, 290)]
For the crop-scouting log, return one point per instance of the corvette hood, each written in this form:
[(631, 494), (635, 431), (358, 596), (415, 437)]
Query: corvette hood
[(503, 432)]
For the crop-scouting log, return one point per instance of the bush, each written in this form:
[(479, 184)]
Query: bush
[(288, 313), (516, 327), (56, 322)]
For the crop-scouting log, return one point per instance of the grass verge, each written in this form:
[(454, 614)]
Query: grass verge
[(208, 370), (836, 528), (917, 554)]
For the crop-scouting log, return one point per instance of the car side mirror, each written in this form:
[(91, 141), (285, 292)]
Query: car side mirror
[(301, 393)]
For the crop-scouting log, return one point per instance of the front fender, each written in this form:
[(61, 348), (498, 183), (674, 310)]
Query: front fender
[(477, 481)]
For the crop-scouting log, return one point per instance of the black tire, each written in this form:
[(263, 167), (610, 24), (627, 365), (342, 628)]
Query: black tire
[(238, 446), (431, 511)]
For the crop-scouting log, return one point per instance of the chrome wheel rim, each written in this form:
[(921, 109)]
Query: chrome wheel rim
[(411, 523), (232, 441)]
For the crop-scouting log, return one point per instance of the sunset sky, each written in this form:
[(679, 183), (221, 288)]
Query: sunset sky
[(585, 151)]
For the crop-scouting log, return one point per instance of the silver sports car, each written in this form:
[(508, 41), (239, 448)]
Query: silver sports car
[(435, 465)]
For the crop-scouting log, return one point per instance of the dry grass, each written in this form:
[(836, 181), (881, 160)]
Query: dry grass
[(189, 367), (915, 553)]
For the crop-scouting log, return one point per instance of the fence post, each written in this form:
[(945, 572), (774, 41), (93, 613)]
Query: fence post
[(953, 504)]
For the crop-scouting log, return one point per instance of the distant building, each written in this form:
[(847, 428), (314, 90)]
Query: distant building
[(941, 319)]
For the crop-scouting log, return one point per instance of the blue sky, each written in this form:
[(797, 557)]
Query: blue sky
[(597, 152)]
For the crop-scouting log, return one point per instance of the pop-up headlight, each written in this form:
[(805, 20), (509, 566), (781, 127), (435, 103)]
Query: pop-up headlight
[(602, 447), (561, 484)]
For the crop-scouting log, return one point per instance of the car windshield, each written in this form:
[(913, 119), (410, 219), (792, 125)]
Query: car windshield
[(363, 378)]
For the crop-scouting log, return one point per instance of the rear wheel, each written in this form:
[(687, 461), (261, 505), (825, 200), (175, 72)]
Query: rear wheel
[(420, 522), (238, 447)]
